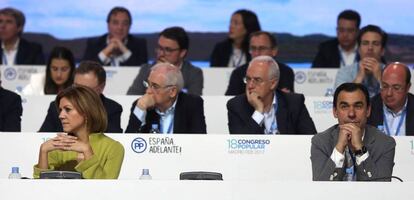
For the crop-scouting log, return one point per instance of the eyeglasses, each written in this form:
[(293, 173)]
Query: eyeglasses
[(394, 88), (346, 30), (259, 49), (255, 81), (165, 50), (155, 87)]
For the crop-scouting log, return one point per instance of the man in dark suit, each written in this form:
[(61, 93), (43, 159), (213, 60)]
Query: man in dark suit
[(117, 47), (173, 43), (14, 49), (352, 150), (393, 109), (262, 109), (164, 106), (341, 51), (10, 111), (90, 74), (261, 43)]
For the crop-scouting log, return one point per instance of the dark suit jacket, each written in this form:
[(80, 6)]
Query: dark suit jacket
[(292, 115), (222, 52), (377, 113), (378, 165), (237, 86), (113, 111), (328, 55), (28, 53), (137, 46), (10, 111), (188, 116)]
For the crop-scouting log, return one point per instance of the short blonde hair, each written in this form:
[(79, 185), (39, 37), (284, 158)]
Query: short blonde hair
[(87, 103)]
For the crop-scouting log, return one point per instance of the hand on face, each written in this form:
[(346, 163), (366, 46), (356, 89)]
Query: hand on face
[(255, 100), (370, 65), (350, 134), (145, 102)]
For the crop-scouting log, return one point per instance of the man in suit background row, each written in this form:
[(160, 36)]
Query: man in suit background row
[(261, 43), (166, 106), (343, 50), (265, 110), (90, 74), (352, 150), (10, 110), (393, 109), (173, 43), (117, 47), (14, 49)]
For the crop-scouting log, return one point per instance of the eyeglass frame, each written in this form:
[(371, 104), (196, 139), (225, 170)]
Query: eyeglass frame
[(155, 87), (166, 50), (256, 81), (394, 88)]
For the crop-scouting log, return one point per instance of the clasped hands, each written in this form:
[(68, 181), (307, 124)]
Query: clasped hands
[(350, 134), (115, 47), (66, 142)]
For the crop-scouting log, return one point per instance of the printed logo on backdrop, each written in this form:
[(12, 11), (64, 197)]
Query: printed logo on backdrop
[(322, 106), (319, 77), (10, 73), (110, 73), (24, 73), (247, 146), (156, 145), (412, 147), (300, 77)]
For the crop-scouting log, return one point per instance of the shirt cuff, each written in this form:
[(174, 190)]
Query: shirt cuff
[(125, 56), (258, 117), (103, 58), (338, 158), (140, 114), (362, 158)]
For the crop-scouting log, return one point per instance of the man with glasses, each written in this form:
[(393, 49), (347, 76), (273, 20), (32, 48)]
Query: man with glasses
[(264, 110), (117, 47), (172, 48), (372, 41), (166, 106), (90, 74), (341, 51), (261, 43), (393, 109)]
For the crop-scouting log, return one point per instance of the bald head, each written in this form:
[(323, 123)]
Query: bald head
[(395, 85)]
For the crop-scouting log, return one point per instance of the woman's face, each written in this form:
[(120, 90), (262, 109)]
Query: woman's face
[(72, 121), (237, 29), (59, 71)]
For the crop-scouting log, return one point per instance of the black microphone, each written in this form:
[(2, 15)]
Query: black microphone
[(386, 178)]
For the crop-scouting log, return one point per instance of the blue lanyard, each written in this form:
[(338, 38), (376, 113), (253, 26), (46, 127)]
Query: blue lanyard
[(343, 60), (169, 127), (273, 127), (4, 59), (399, 123), (238, 61)]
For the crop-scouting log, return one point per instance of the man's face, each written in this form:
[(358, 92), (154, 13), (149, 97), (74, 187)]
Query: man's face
[(169, 51), (162, 93), (393, 87), (260, 46), (89, 80), (352, 108), (258, 81), (8, 28), (371, 46), (118, 26), (347, 32)]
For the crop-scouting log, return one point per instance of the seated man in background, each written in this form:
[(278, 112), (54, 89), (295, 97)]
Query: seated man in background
[(117, 47), (352, 150), (265, 110), (372, 41), (166, 106), (90, 74), (343, 50), (172, 48), (10, 110), (393, 109), (261, 43), (14, 49)]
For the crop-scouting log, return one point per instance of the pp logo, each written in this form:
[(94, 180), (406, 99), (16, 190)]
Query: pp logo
[(139, 145), (10, 73), (300, 77)]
